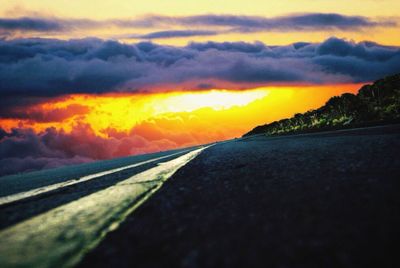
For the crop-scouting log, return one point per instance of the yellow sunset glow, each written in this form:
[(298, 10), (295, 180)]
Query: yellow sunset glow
[(216, 99), (230, 112)]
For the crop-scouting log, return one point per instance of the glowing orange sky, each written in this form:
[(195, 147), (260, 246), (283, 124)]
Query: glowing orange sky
[(178, 119), (144, 69)]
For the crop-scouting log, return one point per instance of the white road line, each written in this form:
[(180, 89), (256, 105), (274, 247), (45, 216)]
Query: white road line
[(22, 195), (61, 236)]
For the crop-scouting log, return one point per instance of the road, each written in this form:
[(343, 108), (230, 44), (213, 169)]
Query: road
[(317, 200), (314, 200), (56, 224)]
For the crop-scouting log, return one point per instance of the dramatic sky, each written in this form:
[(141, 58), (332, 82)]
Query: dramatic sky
[(88, 80)]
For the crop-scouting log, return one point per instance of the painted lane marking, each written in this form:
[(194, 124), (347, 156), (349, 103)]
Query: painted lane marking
[(61, 236), (26, 194)]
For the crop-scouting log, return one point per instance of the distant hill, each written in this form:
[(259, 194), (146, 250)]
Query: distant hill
[(374, 104)]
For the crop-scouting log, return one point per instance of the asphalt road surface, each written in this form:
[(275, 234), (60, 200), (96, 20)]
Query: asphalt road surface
[(316, 200), (62, 214)]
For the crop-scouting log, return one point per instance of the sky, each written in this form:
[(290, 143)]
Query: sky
[(87, 80)]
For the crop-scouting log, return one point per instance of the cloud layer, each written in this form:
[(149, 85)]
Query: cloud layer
[(295, 22), (24, 150), (175, 34), (234, 23), (30, 24), (48, 67)]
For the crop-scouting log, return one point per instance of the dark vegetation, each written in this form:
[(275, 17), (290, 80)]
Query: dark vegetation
[(374, 104)]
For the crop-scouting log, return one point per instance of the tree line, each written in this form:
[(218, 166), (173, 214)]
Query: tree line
[(375, 103)]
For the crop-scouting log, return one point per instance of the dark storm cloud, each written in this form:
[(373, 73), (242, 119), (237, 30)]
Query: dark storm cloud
[(30, 24), (47, 24), (24, 150), (47, 67), (178, 33), (42, 115)]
